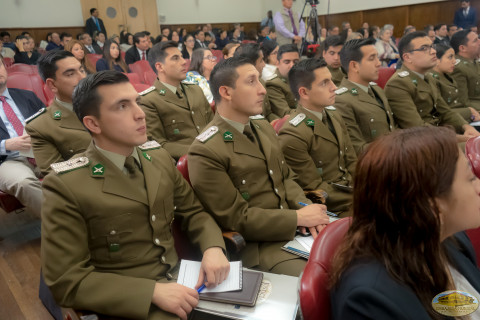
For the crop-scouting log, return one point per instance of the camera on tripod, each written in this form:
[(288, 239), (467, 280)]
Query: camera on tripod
[(312, 2)]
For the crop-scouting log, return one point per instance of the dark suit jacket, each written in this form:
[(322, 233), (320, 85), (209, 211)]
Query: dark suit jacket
[(132, 55), (464, 22), (28, 104), (102, 64), (91, 26), (367, 291), (198, 44)]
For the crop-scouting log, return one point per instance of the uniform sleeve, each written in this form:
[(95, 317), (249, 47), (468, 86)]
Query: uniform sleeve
[(348, 114), (45, 151), (212, 184), (448, 116), (277, 99), (66, 266)]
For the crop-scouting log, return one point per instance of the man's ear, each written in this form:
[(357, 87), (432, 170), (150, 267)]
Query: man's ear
[(92, 124), (51, 85)]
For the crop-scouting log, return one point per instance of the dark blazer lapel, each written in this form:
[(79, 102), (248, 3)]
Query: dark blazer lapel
[(462, 260), (152, 177)]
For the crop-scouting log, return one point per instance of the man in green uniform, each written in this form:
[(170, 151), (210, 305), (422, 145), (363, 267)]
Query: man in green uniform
[(107, 243), (56, 132), (175, 112), (467, 70), (412, 93), (315, 140), (362, 104), (331, 55), (281, 98), (238, 171)]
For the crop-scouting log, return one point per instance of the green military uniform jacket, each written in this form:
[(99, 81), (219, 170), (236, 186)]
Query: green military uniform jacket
[(449, 90), (57, 135), (321, 159), (172, 121), (467, 76), (337, 75), (105, 243), (417, 102), (267, 108), (365, 117), (247, 191), (281, 97)]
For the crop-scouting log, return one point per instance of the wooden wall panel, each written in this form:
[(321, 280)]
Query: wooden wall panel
[(432, 13), (355, 19), (398, 16)]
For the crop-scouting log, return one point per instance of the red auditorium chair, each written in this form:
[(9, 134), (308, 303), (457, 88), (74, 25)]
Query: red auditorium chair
[(31, 82), (149, 77), (133, 77), (472, 151), (383, 75), (24, 68), (8, 62), (140, 67), (122, 53), (313, 292), (218, 54), (9, 203), (93, 58), (277, 124), (139, 87)]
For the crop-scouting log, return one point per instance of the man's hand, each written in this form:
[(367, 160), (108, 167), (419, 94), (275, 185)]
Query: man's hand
[(475, 114), (19, 44), (212, 45), (297, 39), (215, 267), (470, 132), (314, 217), (22, 143), (175, 298)]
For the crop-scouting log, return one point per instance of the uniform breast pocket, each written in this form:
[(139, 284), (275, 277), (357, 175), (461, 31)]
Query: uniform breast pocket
[(109, 238), (175, 129)]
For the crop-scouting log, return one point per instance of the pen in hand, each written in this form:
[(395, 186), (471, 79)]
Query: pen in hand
[(201, 288)]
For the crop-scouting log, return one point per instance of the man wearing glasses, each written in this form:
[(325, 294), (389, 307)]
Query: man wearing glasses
[(175, 112), (411, 92)]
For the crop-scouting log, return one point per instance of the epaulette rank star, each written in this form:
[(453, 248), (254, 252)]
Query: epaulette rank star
[(70, 165), (403, 74), (257, 117), (207, 134), (144, 92), (39, 112), (340, 91), (298, 119), (150, 145)]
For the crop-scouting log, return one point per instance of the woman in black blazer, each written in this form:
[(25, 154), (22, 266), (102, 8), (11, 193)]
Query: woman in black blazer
[(112, 59), (414, 194)]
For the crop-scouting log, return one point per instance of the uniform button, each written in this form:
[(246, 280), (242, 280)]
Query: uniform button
[(198, 127), (71, 151), (341, 153), (173, 121), (283, 162), (113, 232), (193, 112), (435, 105), (243, 181), (157, 242), (175, 208), (154, 218), (371, 120), (449, 92), (163, 259), (455, 101), (169, 276), (421, 110), (344, 178), (340, 167), (391, 127), (320, 162), (270, 171), (281, 207), (456, 90), (276, 190)]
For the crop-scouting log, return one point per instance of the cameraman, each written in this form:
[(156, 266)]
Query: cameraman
[(289, 29)]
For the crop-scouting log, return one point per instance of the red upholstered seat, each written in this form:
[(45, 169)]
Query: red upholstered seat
[(140, 87), (140, 67), (93, 58), (182, 166), (8, 62), (218, 54), (24, 68), (314, 295), (9, 203), (384, 74), (278, 123), (31, 82), (149, 77), (133, 77), (472, 151)]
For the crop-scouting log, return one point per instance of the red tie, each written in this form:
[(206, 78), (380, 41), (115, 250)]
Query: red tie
[(12, 117), (143, 55)]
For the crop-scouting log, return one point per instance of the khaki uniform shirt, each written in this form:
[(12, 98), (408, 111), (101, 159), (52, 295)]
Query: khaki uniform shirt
[(106, 242), (337, 75), (173, 121), (322, 159), (449, 90), (417, 102), (467, 76), (281, 97), (365, 117), (247, 190), (267, 108), (57, 135)]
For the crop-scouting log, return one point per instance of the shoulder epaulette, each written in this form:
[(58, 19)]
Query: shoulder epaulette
[(257, 117), (457, 61), (340, 91), (207, 134), (144, 92), (70, 165), (403, 74), (150, 145), (331, 108), (373, 83), (39, 112), (272, 77), (298, 119)]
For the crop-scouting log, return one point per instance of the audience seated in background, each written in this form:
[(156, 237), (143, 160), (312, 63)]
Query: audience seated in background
[(270, 51), (448, 87), (55, 43), (315, 140), (199, 71), (430, 32), (112, 59), (406, 242), (262, 35), (221, 40), (409, 29), (188, 46), (387, 50), (200, 40), (126, 42), (452, 29), (441, 34), (26, 52), (65, 37), (140, 50), (229, 50), (333, 31), (241, 157), (173, 36), (331, 54), (99, 38), (80, 53), (87, 42), (6, 52), (373, 32), (5, 36)]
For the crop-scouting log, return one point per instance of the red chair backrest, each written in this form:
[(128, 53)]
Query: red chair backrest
[(313, 292), (140, 86), (133, 78), (93, 58), (24, 68), (31, 82), (182, 166), (149, 77), (140, 67), (8, 62), (384, 74), (278, 123), (218, 54), (472, 151), (122, 53)]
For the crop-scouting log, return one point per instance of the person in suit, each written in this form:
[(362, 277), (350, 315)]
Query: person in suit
[(281, 98), (86, 39), (55, 44), (288, 25), (176, 112), (441, 34), (412, 94), (406, 243), (56, 133), (466, 16), (94, 23), (112, 59), (108, 214), (241, 157), (315, 140), (18, 175), (331, 53), (199, 40), (140, 50), (360, 101)]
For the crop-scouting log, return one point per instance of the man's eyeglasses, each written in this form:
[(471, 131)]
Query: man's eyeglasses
[(425, 48), (211, 58)]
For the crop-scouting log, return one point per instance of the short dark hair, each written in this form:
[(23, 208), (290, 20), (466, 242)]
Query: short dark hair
[(302, 74), (4, 33), (198, 31), (441, 49), (450, 26), (405, 44), (82, 35), (332, 41), (137, 36), (285, 48), (225, 74), (267, 47), (92, 10), (351, 51), (249, 51), (439, 26), (86, 100), (64, 34), (47, 64), (460, 38), (158, 53), (20, 37)]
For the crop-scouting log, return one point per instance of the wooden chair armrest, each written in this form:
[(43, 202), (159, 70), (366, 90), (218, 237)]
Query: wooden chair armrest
[(233, 241), (317, 196)]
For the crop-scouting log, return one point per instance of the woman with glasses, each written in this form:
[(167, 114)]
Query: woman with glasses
[(387, 50), (270, 51), (200, 69), (188, 45), (447, 85)]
